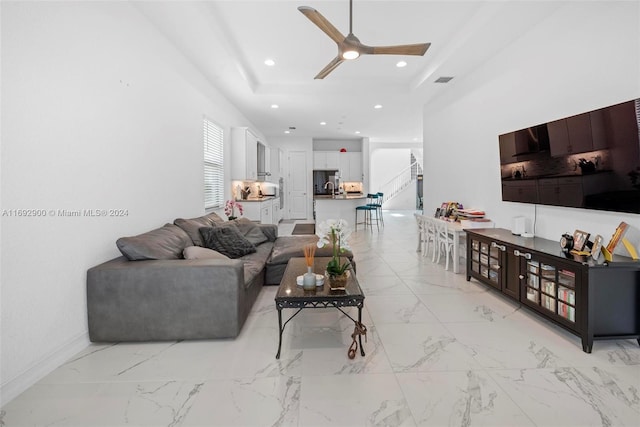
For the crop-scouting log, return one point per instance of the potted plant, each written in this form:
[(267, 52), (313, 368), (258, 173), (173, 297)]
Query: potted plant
[(336, 233), (230, 209)]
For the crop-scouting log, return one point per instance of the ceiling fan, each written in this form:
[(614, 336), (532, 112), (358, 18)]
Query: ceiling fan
[(350, 47)]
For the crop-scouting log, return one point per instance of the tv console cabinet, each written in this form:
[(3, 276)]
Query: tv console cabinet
[(591, 299)]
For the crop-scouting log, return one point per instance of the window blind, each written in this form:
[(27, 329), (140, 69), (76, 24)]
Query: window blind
[(213, 165)]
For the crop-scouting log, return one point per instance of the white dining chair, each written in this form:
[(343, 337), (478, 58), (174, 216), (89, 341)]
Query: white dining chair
[(445, 242), (431, 238), (421, 232)]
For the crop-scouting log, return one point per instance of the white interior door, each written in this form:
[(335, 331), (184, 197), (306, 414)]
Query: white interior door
[(298, 199)]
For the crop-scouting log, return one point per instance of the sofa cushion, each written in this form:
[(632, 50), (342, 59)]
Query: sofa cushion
[(269, 230), (254, 263), (227, 240), (192, 227), (166, 242), (250, 231), (287, 247), (196, 252), (214, 218)]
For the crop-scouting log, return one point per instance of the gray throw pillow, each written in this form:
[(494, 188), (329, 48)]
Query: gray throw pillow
[(196, 252), (166, 242), (214, 218), (192, 227), (227, 240), (250, 231)]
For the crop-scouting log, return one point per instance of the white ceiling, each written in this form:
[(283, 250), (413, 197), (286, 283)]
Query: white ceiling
[(229, 40)]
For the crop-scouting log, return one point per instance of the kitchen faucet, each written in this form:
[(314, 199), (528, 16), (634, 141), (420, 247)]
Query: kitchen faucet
[(333, 187)]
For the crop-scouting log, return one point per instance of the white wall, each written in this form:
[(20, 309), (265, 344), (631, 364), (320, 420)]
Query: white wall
[(386, 163), (98, 112), (583, 57), (387, 160)]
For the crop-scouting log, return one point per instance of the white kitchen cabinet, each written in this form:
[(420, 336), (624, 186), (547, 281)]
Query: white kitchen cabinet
[(350, 166), (277, 213), (264, 162), (244, 154), (260, 210), (266, 212), (252, 210), (328, 160)]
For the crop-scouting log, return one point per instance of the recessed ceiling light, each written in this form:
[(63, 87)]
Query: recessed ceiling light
[(377, 106), (286, 131), (269, 62), (401, 64), (357, 132), (323, 123), (274, 106)]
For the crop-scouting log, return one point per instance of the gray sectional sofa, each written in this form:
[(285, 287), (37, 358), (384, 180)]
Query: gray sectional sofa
[(153, 293)]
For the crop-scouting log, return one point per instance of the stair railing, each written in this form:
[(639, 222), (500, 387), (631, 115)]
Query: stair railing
[(402, 180)]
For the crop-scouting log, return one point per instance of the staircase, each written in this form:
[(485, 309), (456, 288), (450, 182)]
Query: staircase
[(402, 180)]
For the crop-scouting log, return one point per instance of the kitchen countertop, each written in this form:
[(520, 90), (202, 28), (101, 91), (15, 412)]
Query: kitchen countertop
[(346, 197), (257, 199)]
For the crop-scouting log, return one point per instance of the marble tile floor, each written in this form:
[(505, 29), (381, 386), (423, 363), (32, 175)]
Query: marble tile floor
[(441, 351)]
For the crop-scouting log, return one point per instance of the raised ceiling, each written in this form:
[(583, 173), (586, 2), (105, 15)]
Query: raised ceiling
[(228, 41)]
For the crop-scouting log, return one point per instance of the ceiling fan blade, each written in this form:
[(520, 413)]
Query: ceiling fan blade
[(406, 49), (322, 23), (329, 68)]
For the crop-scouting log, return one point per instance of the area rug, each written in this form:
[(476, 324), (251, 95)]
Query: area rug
[(304, 229)]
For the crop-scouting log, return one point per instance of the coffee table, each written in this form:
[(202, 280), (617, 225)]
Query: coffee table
[(291, 295)]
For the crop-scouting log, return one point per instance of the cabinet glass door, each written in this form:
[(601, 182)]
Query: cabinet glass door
[(494, 263), (475, 256), (533, 281), (484, 259), (548, 287), (567, 295), (541, 284)]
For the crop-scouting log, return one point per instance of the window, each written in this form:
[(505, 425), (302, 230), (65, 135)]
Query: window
[(213, 165)]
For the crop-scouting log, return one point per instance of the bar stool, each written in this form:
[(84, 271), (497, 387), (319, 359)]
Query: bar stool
[(378, 205), (368, 209)]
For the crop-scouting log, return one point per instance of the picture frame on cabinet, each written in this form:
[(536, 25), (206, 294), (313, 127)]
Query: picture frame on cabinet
[(596, 248), (579, 240)]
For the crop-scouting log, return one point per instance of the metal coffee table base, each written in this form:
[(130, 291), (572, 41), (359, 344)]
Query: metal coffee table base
[(356, 301)]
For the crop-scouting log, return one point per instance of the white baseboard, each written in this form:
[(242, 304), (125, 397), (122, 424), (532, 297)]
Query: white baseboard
[(15, 386)]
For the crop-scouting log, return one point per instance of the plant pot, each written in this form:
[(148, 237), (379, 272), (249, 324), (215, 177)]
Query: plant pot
[(339, 281)]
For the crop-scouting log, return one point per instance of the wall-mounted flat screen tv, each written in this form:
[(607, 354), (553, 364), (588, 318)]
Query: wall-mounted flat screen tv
[(590, 160)]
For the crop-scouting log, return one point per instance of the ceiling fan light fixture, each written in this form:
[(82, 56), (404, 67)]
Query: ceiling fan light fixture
[(350, 47), (350, 54)]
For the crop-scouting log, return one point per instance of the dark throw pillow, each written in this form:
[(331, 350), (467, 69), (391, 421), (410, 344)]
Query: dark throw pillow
[(227, 240)]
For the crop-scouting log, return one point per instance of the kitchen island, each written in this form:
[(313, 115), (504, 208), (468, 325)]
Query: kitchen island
[(327, 207)]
